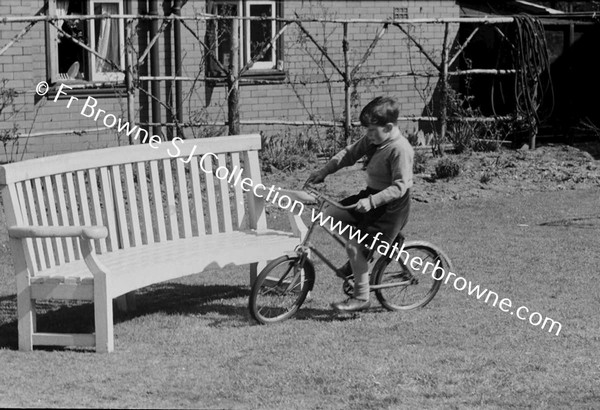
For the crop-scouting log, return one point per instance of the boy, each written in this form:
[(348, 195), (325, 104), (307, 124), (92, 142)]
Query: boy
[(384, 205)]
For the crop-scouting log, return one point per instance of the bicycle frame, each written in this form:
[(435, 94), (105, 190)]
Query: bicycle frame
[(306, 244)]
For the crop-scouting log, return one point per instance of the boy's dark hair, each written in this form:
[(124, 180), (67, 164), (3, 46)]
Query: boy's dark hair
[(380, 111)]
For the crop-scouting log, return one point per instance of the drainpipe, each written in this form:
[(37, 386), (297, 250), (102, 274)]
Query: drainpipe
[(178, 92), (155, 69)]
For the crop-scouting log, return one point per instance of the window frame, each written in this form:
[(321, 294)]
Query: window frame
[(273, 70), (96, 75), (259, 65), (95, 78)]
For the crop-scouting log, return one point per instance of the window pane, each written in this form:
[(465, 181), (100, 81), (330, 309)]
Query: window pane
[(261, 32), (72, 59), (224, 30), (107, 37)]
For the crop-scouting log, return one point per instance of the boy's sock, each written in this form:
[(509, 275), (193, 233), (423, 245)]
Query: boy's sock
[(360, 268), (361, 286)]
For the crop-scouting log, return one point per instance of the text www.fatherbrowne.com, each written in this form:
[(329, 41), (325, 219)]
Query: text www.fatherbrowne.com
[(275, 196), (437, 272)]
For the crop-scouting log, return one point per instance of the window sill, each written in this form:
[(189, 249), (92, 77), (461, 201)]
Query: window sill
[(79, 88), (254, 77)]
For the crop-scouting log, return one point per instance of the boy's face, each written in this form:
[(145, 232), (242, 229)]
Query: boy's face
[(378, 135)]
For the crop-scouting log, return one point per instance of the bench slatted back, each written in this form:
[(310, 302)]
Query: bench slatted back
[(141, 194)]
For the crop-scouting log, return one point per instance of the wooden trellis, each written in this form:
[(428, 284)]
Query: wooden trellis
[(233, 73)]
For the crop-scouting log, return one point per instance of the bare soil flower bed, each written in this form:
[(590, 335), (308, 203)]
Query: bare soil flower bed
[(483, 174)]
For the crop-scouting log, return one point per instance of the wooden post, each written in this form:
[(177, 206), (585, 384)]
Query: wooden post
[(444, 95), (533, 133), (233, 82), (347, 119), (129, 78)]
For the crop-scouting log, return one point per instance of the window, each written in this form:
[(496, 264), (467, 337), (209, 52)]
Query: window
[(400, 13), (67, 60), (253, 34), (258, 33)]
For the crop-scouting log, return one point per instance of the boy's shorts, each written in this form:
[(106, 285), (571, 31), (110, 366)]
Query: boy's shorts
[(389, 219)]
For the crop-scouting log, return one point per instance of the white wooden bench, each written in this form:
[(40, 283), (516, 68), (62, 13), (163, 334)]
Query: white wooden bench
[(99, 224)]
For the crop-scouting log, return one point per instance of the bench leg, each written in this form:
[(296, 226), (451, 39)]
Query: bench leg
[(25, 319), (255, 269), (103, 316)]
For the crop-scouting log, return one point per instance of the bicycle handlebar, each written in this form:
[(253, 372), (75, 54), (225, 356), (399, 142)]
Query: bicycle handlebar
[(309, 194), (319, 195)]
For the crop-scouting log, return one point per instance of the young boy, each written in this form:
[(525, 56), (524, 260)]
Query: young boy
[(384, 205)]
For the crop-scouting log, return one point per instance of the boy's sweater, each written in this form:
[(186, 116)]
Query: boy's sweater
[(389, 168)]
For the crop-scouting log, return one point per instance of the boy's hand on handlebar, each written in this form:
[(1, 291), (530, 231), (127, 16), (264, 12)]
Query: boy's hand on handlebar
[(316, 178), (364, 205)]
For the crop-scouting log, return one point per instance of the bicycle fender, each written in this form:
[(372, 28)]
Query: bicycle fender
[(435, 248)]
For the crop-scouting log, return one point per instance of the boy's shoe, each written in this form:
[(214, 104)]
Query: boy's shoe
[(351, 305), (344, 272)]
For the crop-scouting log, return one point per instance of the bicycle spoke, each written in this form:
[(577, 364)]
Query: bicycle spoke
[(280, 289), (400, 287)]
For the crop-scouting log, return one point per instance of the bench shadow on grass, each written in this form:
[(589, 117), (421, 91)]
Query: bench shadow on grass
[(220, 303)]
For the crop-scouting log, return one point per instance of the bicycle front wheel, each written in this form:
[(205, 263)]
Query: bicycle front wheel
[(281, 288), (399, 287)]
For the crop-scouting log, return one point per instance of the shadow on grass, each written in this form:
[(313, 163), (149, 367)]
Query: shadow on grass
[(329, 315), (169, 298), (585, 222), (322, 315), (175, 298), (8, 324)]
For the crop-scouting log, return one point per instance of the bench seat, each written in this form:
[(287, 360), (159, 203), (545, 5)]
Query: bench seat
[(134, 268)]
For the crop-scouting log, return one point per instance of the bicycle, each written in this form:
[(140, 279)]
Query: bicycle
[(282, 286)]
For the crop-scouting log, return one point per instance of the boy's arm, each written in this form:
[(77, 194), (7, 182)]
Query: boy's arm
[(346, 157), (401, 164)]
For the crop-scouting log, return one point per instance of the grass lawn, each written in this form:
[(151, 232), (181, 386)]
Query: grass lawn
[(192, 344)]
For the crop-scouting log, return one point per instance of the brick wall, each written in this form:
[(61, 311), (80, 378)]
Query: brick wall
[(24, 65)]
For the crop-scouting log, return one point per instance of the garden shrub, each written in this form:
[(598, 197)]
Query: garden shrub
[(488, 145), (420, 162), (447, 168), (335, 139), (482, 136), (462, 135), (485, 177), (287, 152)]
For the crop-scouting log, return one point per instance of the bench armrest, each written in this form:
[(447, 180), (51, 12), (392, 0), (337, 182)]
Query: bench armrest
[(86, 232)]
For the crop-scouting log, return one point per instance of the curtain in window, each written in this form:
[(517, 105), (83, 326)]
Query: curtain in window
[(107, 37), (62, 6)]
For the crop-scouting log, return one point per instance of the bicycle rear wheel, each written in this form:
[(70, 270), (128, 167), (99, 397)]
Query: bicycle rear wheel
[(280, 289), (405, 288)]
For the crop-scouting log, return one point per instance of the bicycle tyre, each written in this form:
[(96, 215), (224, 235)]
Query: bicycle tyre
[(401, 297), (277, 296)]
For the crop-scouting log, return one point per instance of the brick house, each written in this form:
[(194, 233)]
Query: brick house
[(49, 127)]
